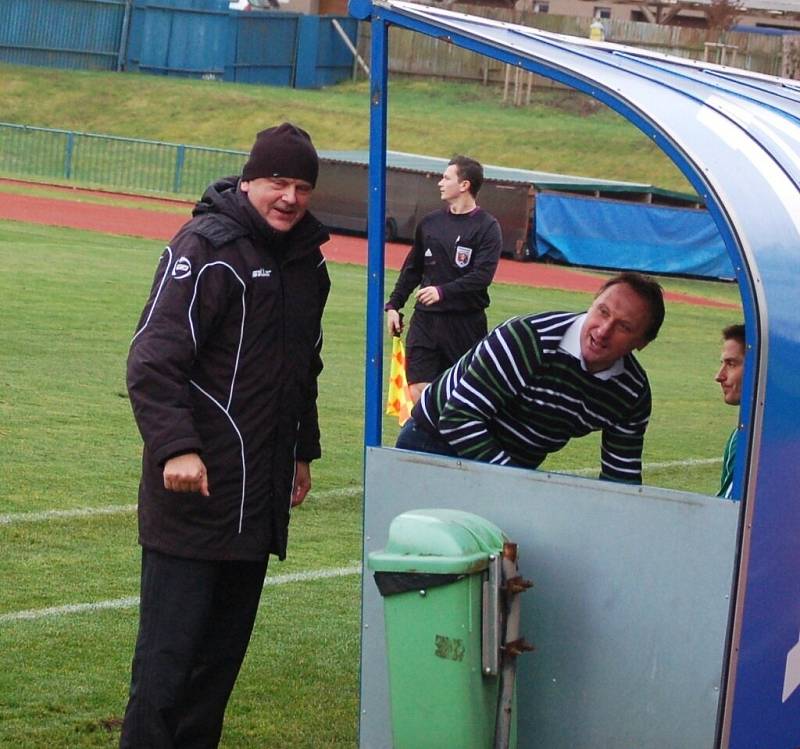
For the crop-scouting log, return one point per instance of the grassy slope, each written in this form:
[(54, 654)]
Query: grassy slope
[(558, 132)]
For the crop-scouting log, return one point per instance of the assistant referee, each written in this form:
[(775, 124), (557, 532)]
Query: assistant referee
[(453, 260)]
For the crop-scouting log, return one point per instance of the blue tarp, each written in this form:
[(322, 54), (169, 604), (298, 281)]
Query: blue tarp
[(613, 234)]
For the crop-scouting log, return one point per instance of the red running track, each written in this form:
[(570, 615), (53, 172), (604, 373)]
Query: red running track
[(161, 225)]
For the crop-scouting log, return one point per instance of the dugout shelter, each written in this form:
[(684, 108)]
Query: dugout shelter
[(661, 618)]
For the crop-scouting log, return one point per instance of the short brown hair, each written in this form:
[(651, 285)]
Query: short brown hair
[(470, 170), (734, 333)]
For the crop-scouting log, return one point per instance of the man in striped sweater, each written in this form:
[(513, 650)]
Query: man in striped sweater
[(538, 380)]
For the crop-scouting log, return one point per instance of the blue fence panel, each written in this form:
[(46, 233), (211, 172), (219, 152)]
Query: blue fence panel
[(144, 26), (265, 45), (188, 5), (322, 55), (186, 38), (334, 59), (80, 34), (305, 71)]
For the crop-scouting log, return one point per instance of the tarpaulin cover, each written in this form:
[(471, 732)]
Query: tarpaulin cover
[(614, 234)]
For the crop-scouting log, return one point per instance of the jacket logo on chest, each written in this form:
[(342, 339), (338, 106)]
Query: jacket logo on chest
[(262, 273), (182, 268), (463, 256)]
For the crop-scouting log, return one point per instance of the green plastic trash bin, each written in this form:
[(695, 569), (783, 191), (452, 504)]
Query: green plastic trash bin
[(431, 575)]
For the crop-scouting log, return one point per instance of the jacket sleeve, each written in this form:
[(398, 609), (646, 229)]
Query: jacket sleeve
[(410, 274), (308, 434), (483, 266), (181, 309)]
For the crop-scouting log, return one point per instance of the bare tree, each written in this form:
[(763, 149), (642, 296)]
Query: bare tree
[(721, 15), (790, 67)]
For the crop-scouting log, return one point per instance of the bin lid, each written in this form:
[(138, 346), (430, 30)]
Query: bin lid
[(438, 541)]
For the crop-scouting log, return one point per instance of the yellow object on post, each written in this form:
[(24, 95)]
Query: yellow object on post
[(398, 400), (597, 32)]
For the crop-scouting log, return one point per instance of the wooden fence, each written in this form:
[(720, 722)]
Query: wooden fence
[(417, 54)]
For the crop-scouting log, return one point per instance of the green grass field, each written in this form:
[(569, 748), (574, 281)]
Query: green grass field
[(67, 442)]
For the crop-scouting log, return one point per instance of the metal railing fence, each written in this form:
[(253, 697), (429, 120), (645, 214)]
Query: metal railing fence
[(113, 162)]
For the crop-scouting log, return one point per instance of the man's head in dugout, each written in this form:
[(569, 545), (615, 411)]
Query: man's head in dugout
[(731, 370)]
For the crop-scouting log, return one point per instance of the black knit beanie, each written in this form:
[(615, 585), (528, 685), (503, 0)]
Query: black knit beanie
[(283, 151)]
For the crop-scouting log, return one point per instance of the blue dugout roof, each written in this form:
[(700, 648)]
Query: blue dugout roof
[(735, 136)]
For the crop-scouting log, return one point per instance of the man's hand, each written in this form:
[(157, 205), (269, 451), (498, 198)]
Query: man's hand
[(302, 482), (394, 322), (186, 473), (428, 295)]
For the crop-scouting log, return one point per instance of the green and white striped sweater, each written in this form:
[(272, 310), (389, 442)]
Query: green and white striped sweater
[(515, 397)]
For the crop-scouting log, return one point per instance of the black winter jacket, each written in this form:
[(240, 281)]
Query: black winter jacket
[(224, 362)]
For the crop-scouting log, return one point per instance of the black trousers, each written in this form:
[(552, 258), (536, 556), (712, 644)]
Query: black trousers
[(437, 340), (195, 622)]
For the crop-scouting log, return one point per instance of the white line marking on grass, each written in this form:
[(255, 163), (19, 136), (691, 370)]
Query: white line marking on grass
[(354, 568), (74, 608), (78, 512), (83, 512), (292, 577), (347, 491), (647, 466)]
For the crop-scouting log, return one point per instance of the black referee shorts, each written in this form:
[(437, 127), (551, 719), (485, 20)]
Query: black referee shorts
[(437, 340)]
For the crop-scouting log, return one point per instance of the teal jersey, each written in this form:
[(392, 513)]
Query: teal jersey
[(728, 461)]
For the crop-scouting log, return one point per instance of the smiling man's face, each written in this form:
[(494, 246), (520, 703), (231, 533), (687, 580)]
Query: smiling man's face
[(614, 326), (280, 201)]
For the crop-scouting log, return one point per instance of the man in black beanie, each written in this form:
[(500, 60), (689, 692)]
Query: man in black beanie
[(222, 377)]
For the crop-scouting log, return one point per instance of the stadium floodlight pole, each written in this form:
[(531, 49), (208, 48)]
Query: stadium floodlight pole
[(375, 222)]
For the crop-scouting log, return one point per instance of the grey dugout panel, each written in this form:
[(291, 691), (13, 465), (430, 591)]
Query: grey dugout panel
[(628, 613)]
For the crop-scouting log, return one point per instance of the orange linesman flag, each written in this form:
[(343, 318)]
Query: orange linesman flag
[(398, 401)]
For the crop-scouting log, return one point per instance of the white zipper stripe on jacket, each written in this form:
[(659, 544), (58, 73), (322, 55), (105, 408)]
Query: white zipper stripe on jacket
[(158, 294), (226, 408), (241, 330), (241, 447)]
